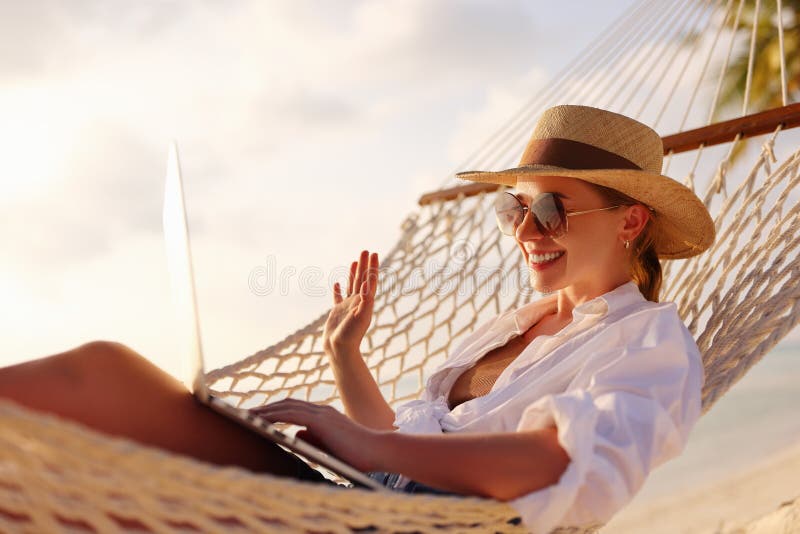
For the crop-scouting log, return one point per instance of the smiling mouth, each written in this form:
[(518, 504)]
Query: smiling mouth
[(542, 259)]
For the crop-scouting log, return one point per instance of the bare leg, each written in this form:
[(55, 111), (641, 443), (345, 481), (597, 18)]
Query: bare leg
[(111, 388)]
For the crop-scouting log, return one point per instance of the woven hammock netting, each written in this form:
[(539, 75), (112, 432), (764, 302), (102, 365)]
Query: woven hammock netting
[(451, 269), (665, 63)]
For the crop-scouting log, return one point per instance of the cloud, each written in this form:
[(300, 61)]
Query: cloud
[(479, 127), (307, 129), (419, 40), (259, 95), (109, 189), (315, 108), (48, 38)]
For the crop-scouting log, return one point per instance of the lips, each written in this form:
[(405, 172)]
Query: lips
[(544, 257)]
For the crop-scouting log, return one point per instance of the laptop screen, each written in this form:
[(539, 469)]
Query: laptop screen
[(181, 274)]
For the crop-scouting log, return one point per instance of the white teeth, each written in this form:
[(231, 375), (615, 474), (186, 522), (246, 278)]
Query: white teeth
[(541, 258)]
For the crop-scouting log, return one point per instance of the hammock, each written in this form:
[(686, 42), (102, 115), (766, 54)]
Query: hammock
[(450, 270)]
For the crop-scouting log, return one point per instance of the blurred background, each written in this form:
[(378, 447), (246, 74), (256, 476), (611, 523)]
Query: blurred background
[(307, 131)]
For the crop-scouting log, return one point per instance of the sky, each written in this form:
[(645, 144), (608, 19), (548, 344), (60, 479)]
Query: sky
[(307, 131)]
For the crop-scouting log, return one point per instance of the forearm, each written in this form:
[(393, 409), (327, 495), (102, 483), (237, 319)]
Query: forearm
[(361, 397), (500, 466)]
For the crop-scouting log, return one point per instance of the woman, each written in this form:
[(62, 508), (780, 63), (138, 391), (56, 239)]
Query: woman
[(561, 407)]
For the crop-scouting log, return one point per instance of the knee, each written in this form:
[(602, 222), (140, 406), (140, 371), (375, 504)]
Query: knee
[(113, 364), (98, 362), (99, 354), (100, 347)]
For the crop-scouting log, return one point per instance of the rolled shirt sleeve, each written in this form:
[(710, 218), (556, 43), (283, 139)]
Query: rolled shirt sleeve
[(628, 410)]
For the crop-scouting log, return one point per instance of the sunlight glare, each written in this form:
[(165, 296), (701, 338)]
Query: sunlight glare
[(35, 138)]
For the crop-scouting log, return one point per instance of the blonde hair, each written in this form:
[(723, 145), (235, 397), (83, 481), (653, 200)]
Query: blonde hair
[(645, 266)]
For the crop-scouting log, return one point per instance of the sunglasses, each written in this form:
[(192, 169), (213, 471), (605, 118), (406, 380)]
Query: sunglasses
[(548, 212)]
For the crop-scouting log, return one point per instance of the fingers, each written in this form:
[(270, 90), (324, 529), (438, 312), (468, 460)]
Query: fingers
[(365, 268), (352, 280), (368, 287), (307, 436), (337, 293), (369, 284), (294, 411), (361, 271), (372, 275), (362, 301), (288, 402)]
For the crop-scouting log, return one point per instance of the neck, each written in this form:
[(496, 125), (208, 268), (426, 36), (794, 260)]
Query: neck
[(574, 295)]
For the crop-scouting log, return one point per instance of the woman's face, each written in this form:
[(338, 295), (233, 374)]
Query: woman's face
[(592, 254)]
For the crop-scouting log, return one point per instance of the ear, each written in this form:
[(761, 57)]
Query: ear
[(634, 221)]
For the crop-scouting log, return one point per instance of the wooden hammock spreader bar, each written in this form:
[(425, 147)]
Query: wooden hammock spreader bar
[(723, 132), (713, 134), (452, 193)]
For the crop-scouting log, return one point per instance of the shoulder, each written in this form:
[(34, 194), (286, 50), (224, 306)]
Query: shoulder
[(650, 338), (649, 323)]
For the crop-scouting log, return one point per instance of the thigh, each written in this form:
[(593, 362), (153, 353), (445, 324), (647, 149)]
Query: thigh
[(111, 388)]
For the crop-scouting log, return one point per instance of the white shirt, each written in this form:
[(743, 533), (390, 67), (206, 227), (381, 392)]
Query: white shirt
[(622, 382)]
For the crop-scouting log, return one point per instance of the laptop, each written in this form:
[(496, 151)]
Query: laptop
[(179, 259)]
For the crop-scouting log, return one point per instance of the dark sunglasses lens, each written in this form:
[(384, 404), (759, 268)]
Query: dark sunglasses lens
[(549, 215), (509, 213)]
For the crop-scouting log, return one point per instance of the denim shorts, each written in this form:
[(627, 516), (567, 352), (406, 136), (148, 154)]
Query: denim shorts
[(306, 472), (390, 480)]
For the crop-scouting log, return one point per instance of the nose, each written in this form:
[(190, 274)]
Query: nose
[(528, 230)]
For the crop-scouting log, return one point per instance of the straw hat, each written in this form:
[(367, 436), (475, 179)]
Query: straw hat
[(614, 151)]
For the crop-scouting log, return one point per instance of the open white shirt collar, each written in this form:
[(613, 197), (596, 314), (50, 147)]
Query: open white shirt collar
[(616, 299)]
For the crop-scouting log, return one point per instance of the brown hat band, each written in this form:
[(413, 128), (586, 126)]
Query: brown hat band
[(572, 155)]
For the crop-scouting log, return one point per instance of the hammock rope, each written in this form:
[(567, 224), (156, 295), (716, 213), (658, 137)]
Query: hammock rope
[(724, 68), (591, 58), (782, 53), (751, 59), (679, 78), (692, 17)]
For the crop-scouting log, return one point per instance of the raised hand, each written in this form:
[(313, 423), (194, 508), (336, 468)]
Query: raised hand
[(351, 313)]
